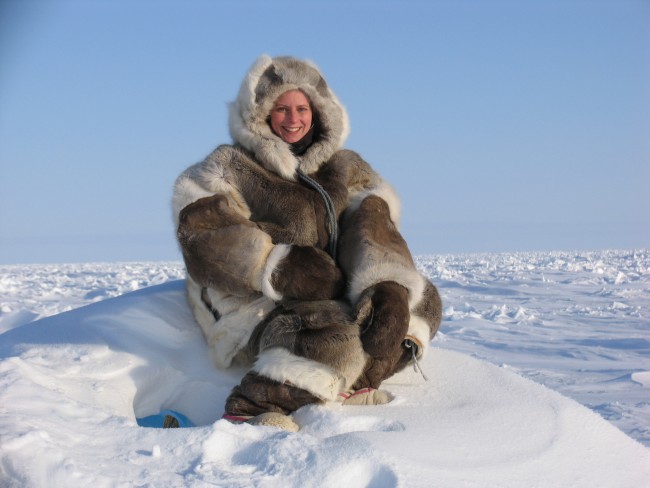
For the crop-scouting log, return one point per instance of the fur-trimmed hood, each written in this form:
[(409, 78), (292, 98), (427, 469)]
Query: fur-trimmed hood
[(267, 79)]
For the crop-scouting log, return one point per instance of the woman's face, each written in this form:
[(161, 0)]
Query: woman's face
[(291, 116)]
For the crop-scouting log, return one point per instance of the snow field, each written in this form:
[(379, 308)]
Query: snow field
[(71, 385), (577, 322)]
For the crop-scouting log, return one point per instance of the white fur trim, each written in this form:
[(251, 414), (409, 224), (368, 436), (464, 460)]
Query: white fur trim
[(345, 119), (317, 378), (201, 313), (239, 317), (409, 278), (386, 193), (246, 96), (277, 254), (419, 332), (186, 191)]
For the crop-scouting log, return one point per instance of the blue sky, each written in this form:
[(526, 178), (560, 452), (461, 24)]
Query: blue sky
[(504, 125)]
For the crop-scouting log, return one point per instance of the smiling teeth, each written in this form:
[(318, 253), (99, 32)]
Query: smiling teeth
[(292, 129)]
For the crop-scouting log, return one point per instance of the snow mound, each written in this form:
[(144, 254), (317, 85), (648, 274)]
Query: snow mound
[(73, 384)]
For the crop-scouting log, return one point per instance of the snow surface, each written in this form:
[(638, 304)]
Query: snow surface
[(73, 383)]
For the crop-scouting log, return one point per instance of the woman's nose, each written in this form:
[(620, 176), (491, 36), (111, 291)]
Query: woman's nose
[(292, 115)]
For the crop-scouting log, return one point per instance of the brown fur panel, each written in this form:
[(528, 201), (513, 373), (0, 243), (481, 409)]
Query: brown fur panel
[(285, 210), (369, 235), (290, 212), (334, 177), (257, 394), (307, 273), (221, 248), (357, 173)]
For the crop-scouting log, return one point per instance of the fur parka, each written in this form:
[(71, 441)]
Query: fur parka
[(253, 237)]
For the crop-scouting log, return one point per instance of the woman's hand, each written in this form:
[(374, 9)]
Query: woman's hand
[(307, 273), (383, 316)]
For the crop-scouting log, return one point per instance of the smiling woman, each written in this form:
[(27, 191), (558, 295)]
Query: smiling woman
[(271, 226), (291, 117)]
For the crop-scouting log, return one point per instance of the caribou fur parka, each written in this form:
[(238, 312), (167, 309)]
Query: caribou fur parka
[(261, 283)]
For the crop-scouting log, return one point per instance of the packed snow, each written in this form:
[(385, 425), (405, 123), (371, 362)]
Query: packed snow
[(540, 376)]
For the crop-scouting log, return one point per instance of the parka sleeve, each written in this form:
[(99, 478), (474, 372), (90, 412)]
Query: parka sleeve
[(372, 251), (221, 247)]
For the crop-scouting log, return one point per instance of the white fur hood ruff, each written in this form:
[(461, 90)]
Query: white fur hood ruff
[(267, 79)]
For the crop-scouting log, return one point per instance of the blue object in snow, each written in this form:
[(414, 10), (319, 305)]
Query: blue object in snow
[(158, 420)]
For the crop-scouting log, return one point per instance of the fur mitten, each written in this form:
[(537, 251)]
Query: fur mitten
[(306, 273), (382, 313)]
